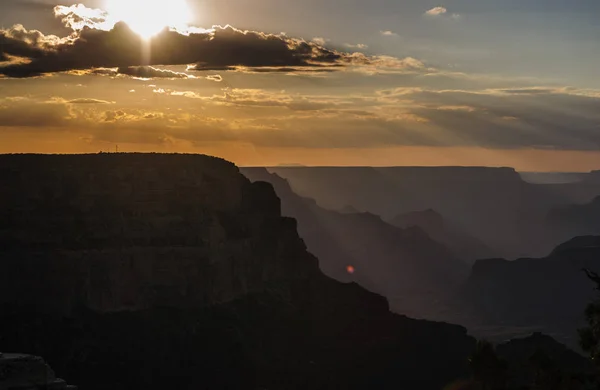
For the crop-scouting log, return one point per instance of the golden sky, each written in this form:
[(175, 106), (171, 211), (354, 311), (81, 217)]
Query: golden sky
[(92, 82)]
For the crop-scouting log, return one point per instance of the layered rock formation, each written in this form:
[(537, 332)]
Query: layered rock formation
[(493, 205), (463, 245), (175, 271), (397, 190)]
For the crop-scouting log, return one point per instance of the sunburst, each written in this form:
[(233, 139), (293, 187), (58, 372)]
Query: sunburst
[(149, 17)]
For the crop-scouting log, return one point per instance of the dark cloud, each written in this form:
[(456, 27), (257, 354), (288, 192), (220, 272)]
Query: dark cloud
[(19, 42), (103, 71), (96, 42), (292, 70), (223, 48), (149, 72), (230, 48), (140, 72), (527, 91)]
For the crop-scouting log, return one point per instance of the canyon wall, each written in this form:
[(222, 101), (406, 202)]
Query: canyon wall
[(149, 271), (115, 232)]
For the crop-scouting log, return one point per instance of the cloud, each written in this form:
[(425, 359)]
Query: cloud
[(99, 51), (482, 118), (525, 91), (257, 98), (439, 12), (97, 42), (149, 72), (386, 64), (99, 71), (89, 101), (18, 42), (320, 41), (388, 33), (229, 48), (289, 70), (25, 112), (215, 77), (554, 118), (78, 16), (436, 11), (136, 72), (359, 46), (550, 118), (223, 49)]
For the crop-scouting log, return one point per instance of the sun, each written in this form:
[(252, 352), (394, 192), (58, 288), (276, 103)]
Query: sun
[(149, 17)]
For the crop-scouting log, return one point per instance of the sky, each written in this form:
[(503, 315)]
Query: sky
[(327, 82)]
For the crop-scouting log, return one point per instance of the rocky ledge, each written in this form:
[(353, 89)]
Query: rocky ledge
[(26, 372)]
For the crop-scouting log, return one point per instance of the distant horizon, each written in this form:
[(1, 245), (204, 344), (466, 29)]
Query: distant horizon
[(298, 165), (420, 166)]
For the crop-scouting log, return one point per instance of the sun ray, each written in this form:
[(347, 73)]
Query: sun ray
[(149, 17)]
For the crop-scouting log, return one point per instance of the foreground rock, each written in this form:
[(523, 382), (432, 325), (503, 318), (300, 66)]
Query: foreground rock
[(26, 372), (530, 357), (174, 271)]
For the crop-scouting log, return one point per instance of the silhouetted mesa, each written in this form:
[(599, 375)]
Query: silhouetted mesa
[(131, 271), (551, 292)]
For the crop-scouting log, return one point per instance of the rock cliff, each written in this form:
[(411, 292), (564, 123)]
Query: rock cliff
[(148, 271)]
